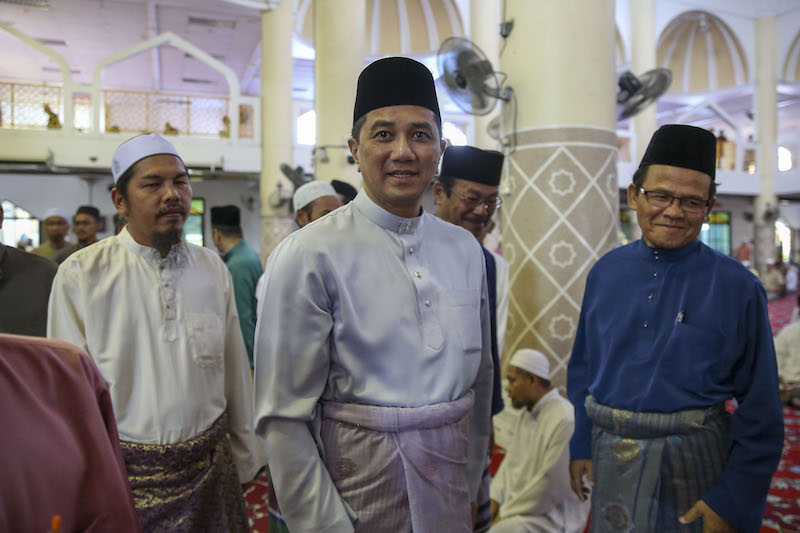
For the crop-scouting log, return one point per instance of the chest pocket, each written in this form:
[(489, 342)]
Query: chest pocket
[(206, 340), (466, 313), (699, 349)]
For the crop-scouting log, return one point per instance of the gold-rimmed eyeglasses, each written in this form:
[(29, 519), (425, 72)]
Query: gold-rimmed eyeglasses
[(473, 201), (687, 203)]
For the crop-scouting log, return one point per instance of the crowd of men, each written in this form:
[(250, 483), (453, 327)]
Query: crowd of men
[(362, 362)]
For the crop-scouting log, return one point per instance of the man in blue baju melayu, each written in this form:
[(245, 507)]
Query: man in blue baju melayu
[(669, 330)]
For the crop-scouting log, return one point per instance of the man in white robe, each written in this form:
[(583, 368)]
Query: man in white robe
[(787, 352), (157, 316), (531, 492), (373, 363)]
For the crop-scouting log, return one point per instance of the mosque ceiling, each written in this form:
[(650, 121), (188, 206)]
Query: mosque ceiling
[(85, 31)]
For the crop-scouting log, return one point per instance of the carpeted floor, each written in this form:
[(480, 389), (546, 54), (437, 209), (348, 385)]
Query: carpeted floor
[(780, 311), (257, 495), (783, 504)]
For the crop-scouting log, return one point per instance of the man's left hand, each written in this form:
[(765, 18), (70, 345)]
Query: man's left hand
[(712, 522)]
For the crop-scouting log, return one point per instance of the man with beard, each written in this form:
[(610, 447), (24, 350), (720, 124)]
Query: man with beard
[(86, 223), (373, 351), (465, 194), (531, 491), (158, 317)]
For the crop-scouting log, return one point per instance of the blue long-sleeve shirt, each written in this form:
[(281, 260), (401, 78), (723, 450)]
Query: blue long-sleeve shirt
[(491, 281), (668, 330)]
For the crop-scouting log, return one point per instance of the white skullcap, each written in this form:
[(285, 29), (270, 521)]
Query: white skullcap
[(56, 212), (137, 148), (532, 361), (305, 194)]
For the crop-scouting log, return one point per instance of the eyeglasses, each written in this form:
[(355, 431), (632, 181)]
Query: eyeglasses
[(690, 204), (472, 202)]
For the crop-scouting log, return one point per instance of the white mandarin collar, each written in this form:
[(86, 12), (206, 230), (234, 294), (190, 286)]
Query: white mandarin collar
[(150, 255), (385, 219), (543, 400)]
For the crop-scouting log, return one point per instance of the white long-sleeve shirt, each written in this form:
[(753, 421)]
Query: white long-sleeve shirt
[(787, 350), (167, 341), (366, 307), (533, 479)]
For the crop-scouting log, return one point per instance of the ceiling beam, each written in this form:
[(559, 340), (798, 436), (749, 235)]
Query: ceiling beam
[(155, 54)]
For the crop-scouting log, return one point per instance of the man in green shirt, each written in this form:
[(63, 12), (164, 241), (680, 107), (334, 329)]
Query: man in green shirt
[(243, 264)]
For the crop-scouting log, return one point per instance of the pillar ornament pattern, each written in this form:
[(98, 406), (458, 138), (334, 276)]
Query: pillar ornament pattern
[(560, 217), (274, 228)]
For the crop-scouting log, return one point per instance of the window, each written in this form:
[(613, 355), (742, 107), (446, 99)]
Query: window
[(307, 128), (18, 224), (783, 235), (784, 159), (454, 134), (193, 230), (716, 233)]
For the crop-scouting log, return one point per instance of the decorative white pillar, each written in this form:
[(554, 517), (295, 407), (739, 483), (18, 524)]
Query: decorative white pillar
[(339, 43), (563, 208), (767, 121), (643, 58), (276, 120), (485, 31)]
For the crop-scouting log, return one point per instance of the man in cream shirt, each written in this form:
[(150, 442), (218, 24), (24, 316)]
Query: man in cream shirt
[(373, 354), (158, 317), (531, 490)]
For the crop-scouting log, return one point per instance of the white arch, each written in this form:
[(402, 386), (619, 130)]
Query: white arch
[(66, 72), (178, 42)]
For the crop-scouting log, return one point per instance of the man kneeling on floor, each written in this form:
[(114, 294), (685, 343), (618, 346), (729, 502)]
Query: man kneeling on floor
[(531, 491)]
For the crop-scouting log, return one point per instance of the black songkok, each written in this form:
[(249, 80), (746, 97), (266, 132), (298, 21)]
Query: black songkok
[(395, 81), (679, 145), (226, 215), (345, 189), (472, 164), (88, 210)]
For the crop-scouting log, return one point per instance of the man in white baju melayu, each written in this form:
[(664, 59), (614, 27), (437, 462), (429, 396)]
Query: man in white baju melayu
[(531, 492), (373, 360), (158, 317)]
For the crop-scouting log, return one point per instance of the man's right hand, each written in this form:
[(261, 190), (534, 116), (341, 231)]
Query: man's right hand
[(577, 469)]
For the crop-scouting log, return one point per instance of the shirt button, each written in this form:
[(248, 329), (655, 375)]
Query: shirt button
[(417, 274), (655, 274), (411, 250), (645, 324), (649, 297), (427, 303)]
